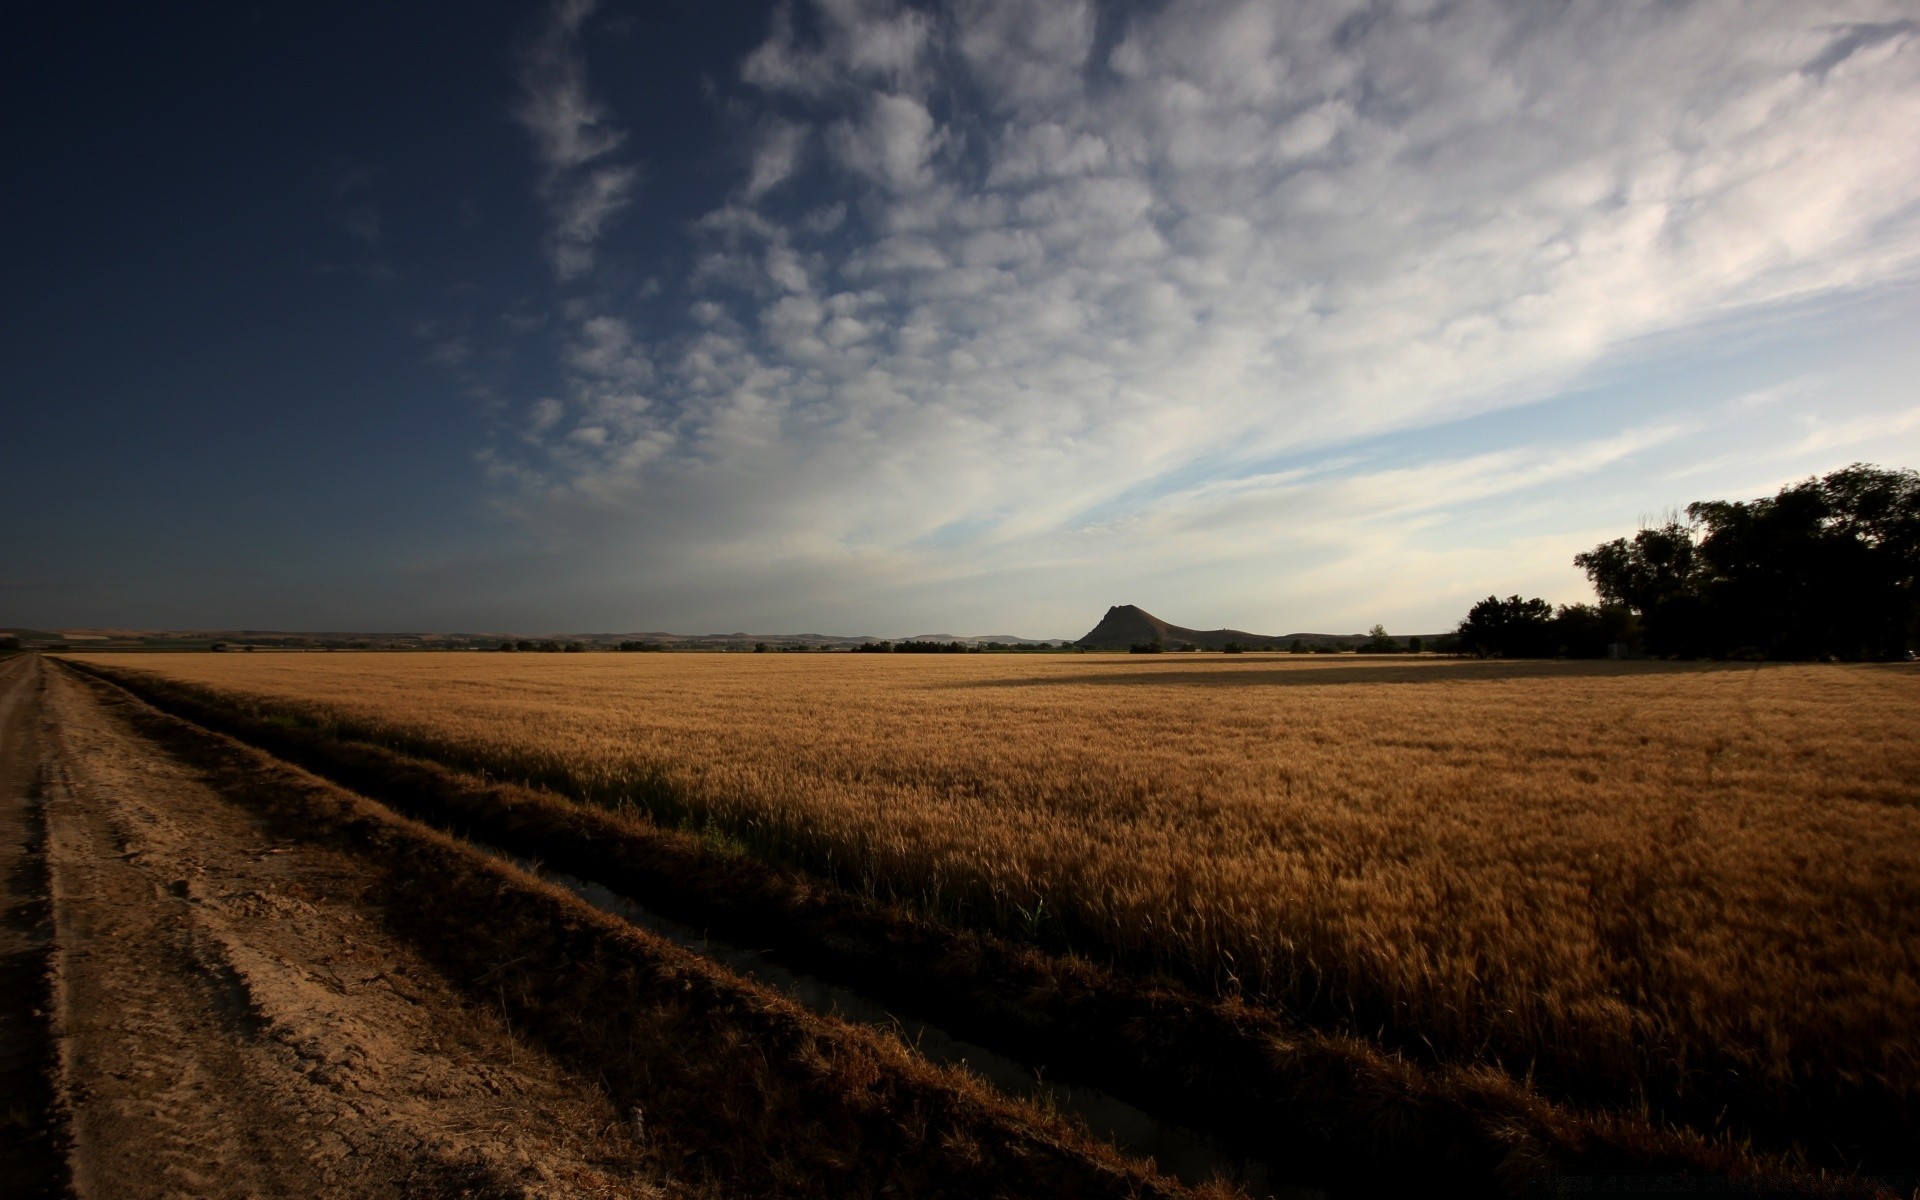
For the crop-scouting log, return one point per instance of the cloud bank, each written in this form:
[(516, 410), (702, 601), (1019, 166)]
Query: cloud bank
[(1035, 300)]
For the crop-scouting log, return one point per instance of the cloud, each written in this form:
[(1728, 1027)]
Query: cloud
[(353, 208), (574, 139), (891, 143), (1012, 270), (855, 43), (1865, 432), (1332, 504), (776, 155)]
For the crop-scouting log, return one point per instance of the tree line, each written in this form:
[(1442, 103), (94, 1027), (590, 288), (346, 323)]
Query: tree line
[(912, 647), (1826, 568), (1378, 642)]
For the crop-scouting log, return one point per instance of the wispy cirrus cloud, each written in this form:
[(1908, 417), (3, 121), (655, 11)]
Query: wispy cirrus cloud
[(575, 139), (1003, 270)]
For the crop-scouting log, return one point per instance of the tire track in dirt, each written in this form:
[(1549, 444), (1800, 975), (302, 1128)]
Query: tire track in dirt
[(232, 1024)]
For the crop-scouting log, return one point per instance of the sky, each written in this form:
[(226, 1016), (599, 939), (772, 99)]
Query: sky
[(861, 317)]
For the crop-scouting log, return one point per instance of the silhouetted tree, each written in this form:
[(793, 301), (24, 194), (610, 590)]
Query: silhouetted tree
[(1656, 575), (1589, 631), (1378, 642), (1826, 567), (1510, 628)]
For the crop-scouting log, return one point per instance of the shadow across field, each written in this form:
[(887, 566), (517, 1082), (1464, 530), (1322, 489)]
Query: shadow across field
[(1269, 673)]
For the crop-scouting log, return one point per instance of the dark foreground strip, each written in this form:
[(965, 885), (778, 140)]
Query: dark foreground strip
[(33, 1128), (1319, 1108), (738, 1090)]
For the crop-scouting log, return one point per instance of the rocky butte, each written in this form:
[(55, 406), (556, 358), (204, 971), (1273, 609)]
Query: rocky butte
[(1127, 625)]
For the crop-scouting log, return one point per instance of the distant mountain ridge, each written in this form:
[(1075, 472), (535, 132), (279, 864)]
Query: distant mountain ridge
[(1123, 626), (979, 639), (155, 639), (1128, 625)]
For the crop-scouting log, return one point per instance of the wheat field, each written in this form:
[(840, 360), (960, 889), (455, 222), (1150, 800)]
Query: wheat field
[(1677, 887)]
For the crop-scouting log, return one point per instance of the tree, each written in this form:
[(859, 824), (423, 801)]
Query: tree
[(1658, 564), (1825, 567), (1590, 631), (1510, 628), (1657, 575), (932, 648), (1378, 642)]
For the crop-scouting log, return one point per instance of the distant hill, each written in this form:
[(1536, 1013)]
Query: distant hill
[(201, 639), (1127, 625), (977, 639), (1124, 626)]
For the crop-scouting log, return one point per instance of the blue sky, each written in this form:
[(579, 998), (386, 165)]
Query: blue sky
[(852, 316)]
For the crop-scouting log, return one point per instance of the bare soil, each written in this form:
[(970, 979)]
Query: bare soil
[(230, 1021)]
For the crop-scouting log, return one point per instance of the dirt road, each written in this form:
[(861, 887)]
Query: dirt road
[(227, 1021)]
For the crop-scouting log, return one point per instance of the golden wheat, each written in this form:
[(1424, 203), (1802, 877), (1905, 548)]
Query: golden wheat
[(1632, 879)]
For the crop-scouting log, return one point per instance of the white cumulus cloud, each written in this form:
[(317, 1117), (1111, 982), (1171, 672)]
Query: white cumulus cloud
[(1052, 275)]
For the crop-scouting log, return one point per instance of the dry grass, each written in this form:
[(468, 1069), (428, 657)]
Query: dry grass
[(1691, 885)]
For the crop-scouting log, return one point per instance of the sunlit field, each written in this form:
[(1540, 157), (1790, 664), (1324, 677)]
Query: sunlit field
[(1694, 884)]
